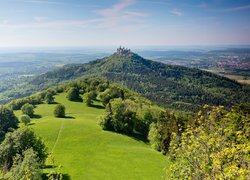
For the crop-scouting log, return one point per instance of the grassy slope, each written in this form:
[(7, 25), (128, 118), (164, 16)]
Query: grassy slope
[(85, 151)]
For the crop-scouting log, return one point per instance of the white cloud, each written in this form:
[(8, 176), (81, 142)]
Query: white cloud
[(118, 15), (235, 9), (136, 14), (116, 8), (176, 12)]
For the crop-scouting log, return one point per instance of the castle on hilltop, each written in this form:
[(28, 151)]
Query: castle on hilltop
[(122, 51)]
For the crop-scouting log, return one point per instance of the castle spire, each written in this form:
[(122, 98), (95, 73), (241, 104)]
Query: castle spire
[(122, 51)]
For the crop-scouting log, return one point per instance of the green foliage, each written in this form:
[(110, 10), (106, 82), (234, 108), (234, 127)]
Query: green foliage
[(7, 120), (142, 124), (106, 123), (17, 142), (215, 146), (55, 175), (123, 116), (161, 130), (49, 99), (59, 111), (73, 94), (88, 98), (25, 119), (25, 166), (28, 109), (34, 99), (121, 119), (111, 93), (102, 86)]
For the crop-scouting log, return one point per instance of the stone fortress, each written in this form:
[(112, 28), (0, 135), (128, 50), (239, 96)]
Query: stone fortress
[(122, 51)]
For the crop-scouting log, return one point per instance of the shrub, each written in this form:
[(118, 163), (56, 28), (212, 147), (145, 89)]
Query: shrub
[(25, 119), (87, 98), (59, 110), (73, 94), (49, 99), (105, 123), (121, 119), (28, 109)]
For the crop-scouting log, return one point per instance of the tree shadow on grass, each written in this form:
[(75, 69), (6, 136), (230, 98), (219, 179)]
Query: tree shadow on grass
[(138, 137), (64, 176), (69, 117), (77, 100), (135, 136), (97, 106), (36, 116), (54, 103), (30, 124), (49, 166)]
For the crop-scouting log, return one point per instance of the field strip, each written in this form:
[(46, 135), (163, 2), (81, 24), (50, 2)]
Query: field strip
[(58, 135)]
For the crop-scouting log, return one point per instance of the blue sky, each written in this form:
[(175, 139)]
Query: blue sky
[(34, 23)]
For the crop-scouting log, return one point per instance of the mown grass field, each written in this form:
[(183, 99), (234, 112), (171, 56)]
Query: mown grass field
[(239, 78), (87, 152)]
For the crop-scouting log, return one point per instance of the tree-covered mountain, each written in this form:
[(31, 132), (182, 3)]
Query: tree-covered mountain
[(167, 85)]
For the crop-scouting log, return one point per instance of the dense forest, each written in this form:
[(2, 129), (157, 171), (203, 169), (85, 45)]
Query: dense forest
[(173, 87)]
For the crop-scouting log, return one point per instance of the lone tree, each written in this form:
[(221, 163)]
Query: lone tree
[(49, 99), (59, 110), (73, 94), (28, 109), (25, 119)]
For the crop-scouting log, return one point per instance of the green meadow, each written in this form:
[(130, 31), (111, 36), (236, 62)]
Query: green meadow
[(84, 151)]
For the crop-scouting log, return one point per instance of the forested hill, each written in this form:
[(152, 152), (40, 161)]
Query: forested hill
[(167, 85)]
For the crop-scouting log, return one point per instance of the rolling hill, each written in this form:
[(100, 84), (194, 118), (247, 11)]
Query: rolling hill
[(85, 151), (174, 87)]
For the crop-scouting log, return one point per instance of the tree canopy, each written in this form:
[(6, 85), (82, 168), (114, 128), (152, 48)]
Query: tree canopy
[(28, 109), (17, 142), (215, 146), (7, 120), (73, 94), (59, 110)]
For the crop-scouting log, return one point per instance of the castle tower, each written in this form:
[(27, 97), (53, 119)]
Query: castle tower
[(122, 51)]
